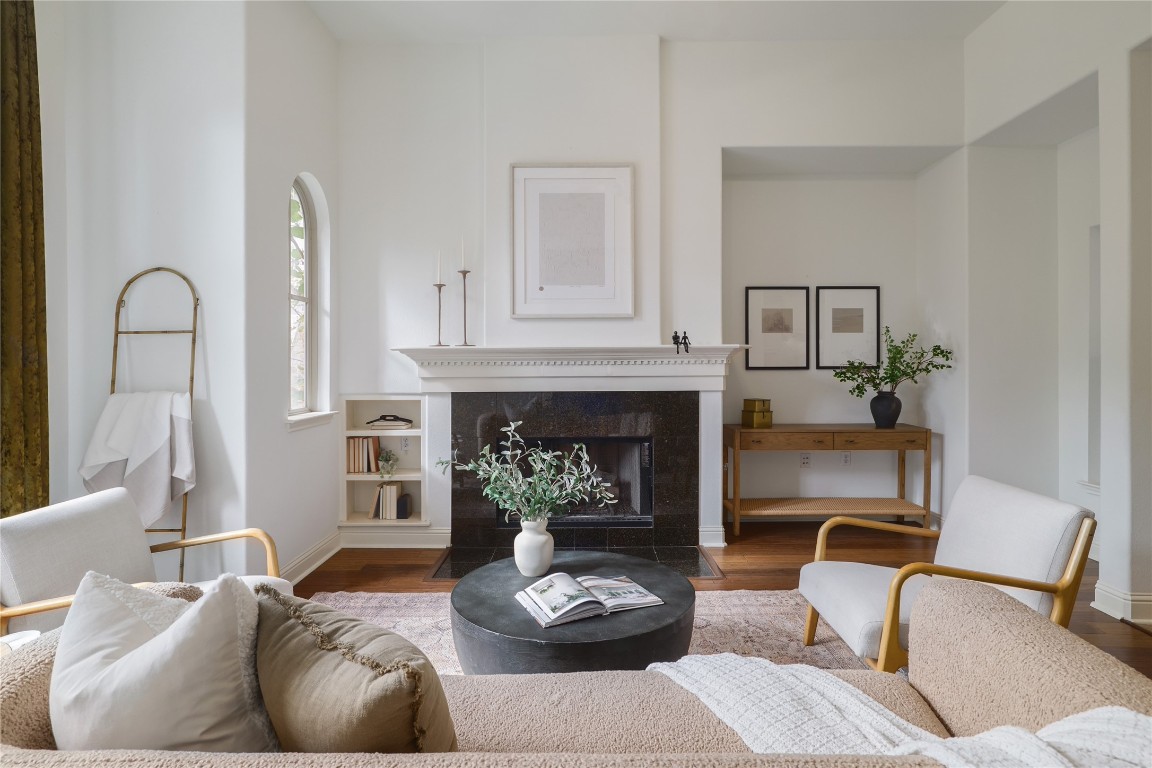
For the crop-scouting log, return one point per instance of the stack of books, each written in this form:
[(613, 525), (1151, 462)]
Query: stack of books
[(757, 414), (384, 506)]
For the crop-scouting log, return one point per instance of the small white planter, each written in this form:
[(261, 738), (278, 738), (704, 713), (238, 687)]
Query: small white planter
[(533, 547)]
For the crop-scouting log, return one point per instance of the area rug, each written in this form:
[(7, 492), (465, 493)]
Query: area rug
[(769, 624)]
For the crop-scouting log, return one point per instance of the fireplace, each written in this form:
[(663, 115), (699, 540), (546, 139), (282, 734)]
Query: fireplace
[(646, 444)]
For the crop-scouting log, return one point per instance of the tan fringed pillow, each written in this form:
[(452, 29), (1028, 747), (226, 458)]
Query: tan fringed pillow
[(334, 683)]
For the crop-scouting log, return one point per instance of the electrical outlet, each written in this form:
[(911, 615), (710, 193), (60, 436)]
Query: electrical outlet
[(403, 445), (805, 460), (846, 458)]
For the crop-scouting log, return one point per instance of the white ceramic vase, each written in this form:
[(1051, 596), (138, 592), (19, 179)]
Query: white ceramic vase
[(533, 547)]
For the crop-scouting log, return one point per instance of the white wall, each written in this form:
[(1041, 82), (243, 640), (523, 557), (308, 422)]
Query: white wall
[(1022, 55), (1013, 317), (943, 299), (1124, 537), (1028, 51), (410, 133), (1078, 210), (290, 130), (581, 100), (819, 231), (145, 146), (715, 95)]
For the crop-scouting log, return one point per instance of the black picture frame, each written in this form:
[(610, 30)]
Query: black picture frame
[(776, 323), (847, 325)]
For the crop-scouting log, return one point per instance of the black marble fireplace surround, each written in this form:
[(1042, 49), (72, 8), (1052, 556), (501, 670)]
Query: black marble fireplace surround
[(668, 422)]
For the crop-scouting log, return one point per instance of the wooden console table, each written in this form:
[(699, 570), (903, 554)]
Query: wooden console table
[(827, 437)]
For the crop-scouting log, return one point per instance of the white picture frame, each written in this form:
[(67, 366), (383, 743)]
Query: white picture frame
[(572, 241)]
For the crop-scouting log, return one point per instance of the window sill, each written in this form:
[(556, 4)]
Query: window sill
[(309, 420)]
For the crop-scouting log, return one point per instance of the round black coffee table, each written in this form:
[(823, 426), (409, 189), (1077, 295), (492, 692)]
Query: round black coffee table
[(494, 634)]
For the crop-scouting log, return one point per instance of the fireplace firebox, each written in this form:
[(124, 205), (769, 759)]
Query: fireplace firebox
[(645, 445)]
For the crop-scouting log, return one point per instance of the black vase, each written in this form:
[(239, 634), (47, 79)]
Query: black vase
[(885, 410)]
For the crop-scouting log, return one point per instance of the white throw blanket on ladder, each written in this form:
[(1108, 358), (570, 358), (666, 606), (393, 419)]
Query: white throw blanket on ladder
[(798, 709), (143, 442)]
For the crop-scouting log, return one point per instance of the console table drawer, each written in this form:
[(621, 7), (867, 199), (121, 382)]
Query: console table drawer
[(785, 441), (879, 441)]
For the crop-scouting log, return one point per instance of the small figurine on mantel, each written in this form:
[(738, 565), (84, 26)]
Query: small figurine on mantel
[(681, 339), (676, 340), (685, 342)]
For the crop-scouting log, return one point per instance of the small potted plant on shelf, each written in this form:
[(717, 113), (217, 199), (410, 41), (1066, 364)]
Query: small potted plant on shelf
[(388, 461), (903, 361), (534, 484)]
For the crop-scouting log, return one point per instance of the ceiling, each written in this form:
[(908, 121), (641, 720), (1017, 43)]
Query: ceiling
[(406, 21)]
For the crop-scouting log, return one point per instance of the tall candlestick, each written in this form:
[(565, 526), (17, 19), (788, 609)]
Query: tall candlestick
[(439, 286), (464, 276)]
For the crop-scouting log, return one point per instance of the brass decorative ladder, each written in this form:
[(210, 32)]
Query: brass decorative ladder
[(120, 304)]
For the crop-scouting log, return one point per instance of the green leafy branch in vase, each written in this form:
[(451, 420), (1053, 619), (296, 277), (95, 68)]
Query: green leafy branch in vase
[(388, 462), (904, 361), (534, 483)]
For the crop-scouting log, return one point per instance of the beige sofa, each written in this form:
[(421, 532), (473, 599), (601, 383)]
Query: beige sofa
[(978, 659)]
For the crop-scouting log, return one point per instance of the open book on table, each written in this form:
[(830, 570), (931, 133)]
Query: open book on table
[(558, 598)]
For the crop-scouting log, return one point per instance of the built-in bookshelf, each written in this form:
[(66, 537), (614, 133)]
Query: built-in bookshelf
[(360, 448)]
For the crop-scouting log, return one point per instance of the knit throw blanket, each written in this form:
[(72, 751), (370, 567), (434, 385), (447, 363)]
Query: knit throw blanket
[(797, 709)]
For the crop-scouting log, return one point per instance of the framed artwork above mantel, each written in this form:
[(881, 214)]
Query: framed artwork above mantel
[(572, 242)]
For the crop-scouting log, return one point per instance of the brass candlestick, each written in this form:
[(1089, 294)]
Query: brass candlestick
[(464, 274), (439, 311)]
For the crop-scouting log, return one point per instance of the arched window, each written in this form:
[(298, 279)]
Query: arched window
[(301, 302)]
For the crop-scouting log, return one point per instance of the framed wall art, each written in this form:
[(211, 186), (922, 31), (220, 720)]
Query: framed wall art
[(775, 328), (847, 325), (572, 241)]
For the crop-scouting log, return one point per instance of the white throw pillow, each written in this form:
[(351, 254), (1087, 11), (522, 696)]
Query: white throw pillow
[(136, 670)]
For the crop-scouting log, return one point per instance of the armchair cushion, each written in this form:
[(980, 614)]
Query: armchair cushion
[(334, 683), (997, 528), (853, 597), (135, 670), (100, 532)]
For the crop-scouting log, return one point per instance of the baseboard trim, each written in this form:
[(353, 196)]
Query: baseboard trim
[(1134, 607), (363, 537), (712, 536), (311, 560)]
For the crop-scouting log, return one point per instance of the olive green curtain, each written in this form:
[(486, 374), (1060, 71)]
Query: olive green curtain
[(24, 355)]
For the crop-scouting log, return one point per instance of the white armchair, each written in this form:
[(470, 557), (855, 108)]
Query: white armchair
[(1030, 546), (44, 553)]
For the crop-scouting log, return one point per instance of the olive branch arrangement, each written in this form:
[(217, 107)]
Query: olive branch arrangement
[(903, 362), (534, 483)]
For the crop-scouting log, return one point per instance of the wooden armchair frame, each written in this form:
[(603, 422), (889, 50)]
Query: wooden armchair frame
[(39, 606), (891, 655)]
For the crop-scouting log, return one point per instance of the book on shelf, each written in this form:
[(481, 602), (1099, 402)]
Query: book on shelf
[(558, 598), (363, 455), (384, 505)]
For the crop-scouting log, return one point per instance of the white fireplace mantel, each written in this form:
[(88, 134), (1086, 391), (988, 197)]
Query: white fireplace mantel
[(527, 369)]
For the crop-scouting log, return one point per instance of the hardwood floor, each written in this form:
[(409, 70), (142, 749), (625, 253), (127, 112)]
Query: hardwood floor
[(766, 556)]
